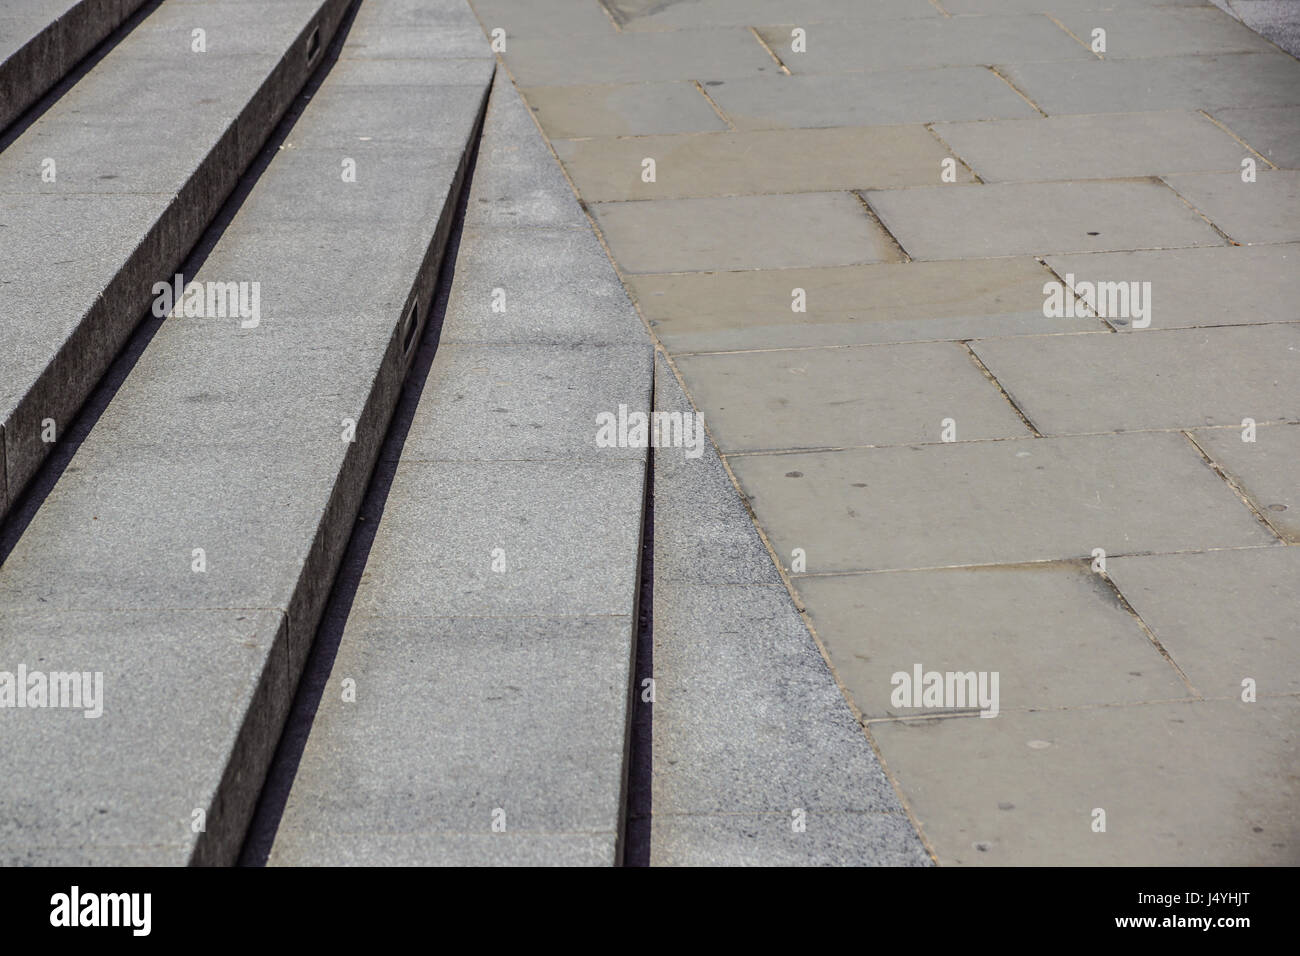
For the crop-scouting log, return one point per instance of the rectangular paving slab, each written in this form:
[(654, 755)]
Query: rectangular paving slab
[(636, 109), (1106, 146), (1024, 788), (1266, 210), (1164, 31), (87, 275), (120, 528), (1183, 378), (1215, 285), (768, 161), (1225, 616), (837, 47), (1264, 470), (849, 305), (742, 232), (956, 222), (1274, 131), (868, 99), (1159, 83), (1054, 633), (999, 502), (636, 15), (860, 395)]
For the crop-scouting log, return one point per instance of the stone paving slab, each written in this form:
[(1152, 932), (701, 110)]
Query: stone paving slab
[(42, 40), (638, 58), (543, 17), (850, 305), (747, 722), (310, 848), (175, 686), (1224, 616), (1159, 83), (1054, 632), (1267, 210), (1165, 31), (1264, 470), (700, 235), (638, 15), (859, 395), (958, 222), (868, 99), (70, 341), (1246, 285), (920, 43), (638, 109), (770, 161), (959, 8), (1275, 131), (1001, 502), (1106, 146), (1169, 777), (1154, 379)]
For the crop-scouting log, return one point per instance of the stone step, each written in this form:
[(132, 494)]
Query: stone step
[(105, 193), (471, 704), (186, 550), (42, 40)]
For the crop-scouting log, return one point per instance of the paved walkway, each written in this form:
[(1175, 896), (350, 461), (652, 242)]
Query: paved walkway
[(846, 222)]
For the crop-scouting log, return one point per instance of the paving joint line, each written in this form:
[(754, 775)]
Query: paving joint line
[(953, 153), (1151, 635), (731, 127), (1074, 36), (1019, 92), (1228, 130), (1232, 483), (1065, 708), (998, 385), (903, 253), (1188, 203), (772, 53)]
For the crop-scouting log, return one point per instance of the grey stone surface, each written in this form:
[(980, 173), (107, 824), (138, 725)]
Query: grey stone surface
[(1249, 284), (309, 848), (766, 161), (1276, 19), (859, 395), (543, 17), (637, 57), (42, 40), (62, 360), (638, 109), (868, 99), (457, 717), (1263, 469), (527, 402), (1274, 131), (1168, 775), (1152, 379), (559, 288), (177, 687), (1159, 83), (850, 305), (836, 47), (1224, 616), (638, 15), (1053, 632), (994, 502), (1267, 210), (516, 179), (1106, 146), (209, 441), (1165, 31), (461, 511), (742, 232), (747, 721), (752, 839), (1038, 218)]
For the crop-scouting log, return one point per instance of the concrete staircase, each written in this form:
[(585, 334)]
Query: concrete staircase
[(304, 345)]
